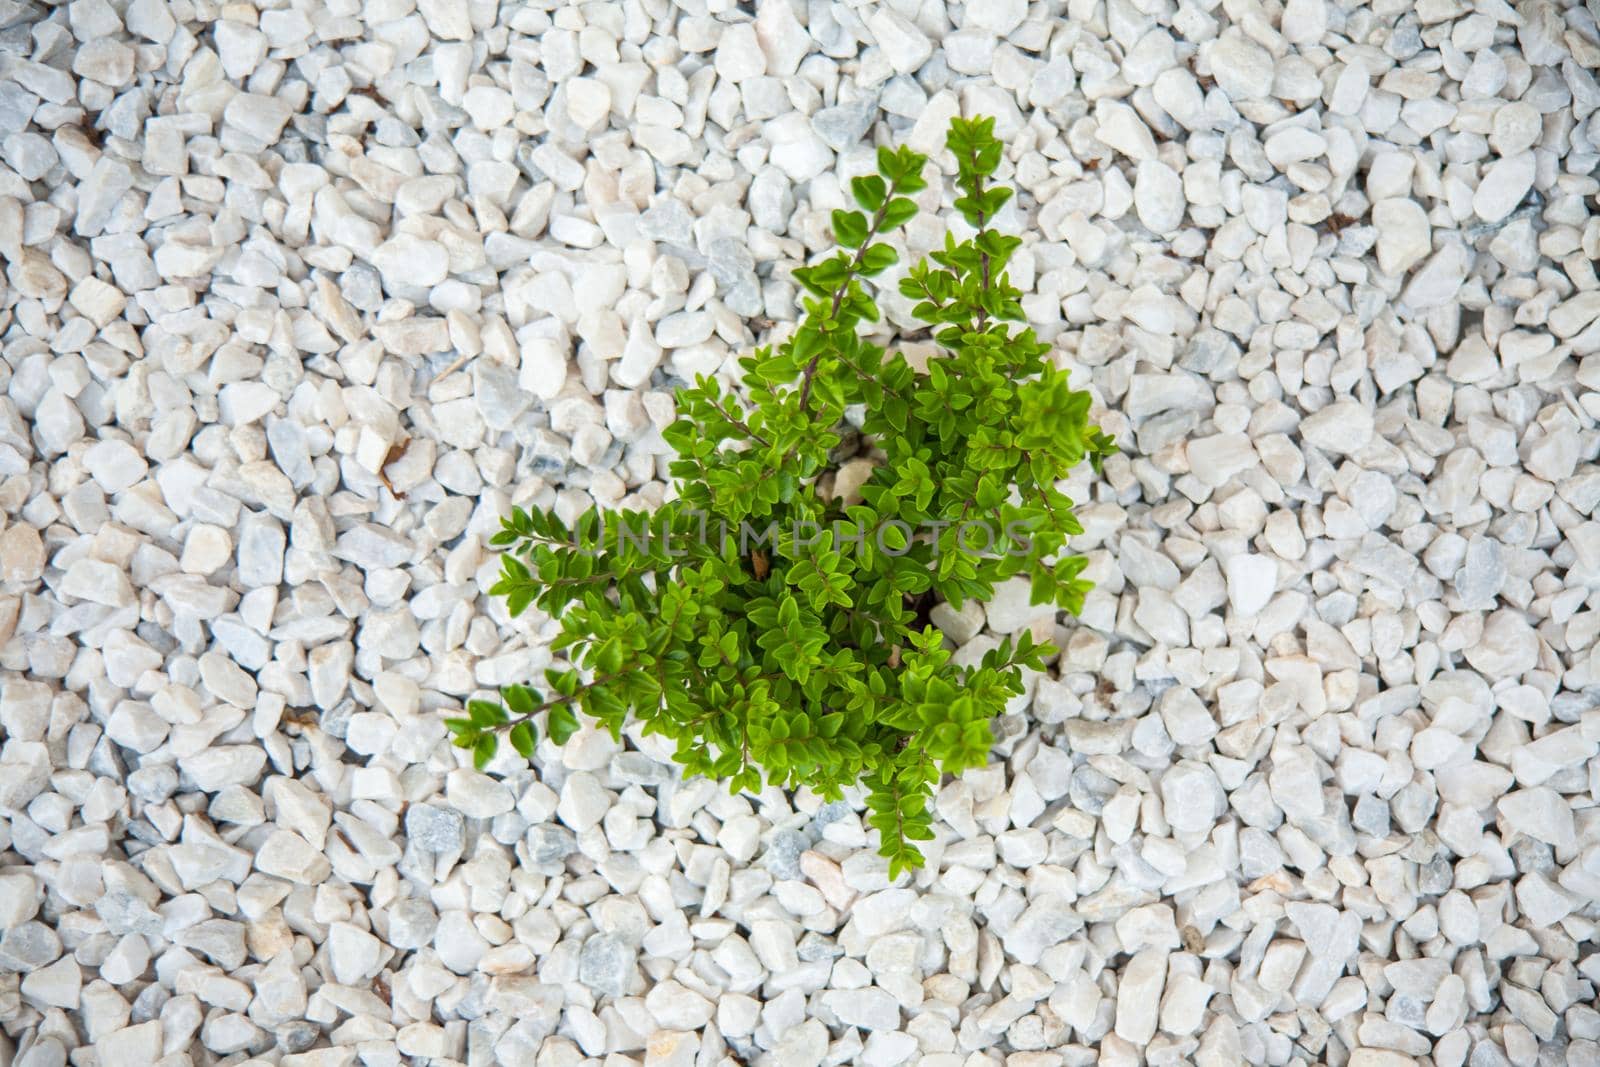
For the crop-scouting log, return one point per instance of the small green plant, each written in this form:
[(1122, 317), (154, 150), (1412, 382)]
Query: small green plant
[(776, 631)]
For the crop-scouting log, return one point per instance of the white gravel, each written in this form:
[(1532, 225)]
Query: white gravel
[(298, 301)]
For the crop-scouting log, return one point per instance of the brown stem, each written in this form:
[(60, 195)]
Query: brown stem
[(839, 293), (739, 424)]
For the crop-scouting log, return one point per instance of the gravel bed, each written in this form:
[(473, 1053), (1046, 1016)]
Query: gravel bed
[(299, 300)]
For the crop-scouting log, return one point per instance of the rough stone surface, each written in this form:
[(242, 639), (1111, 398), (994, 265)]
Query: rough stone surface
[(297, 299)]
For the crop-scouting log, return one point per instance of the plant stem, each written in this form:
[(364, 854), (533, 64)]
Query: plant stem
[(844, 287)]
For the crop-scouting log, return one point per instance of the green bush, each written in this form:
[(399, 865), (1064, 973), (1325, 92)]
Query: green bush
[(777, 632)]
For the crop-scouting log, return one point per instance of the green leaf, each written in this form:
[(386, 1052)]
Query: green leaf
[(561, 724), (899, 212), (869, 191), (484, 750), (609, 656), (877, 259), (520, 699), (484, 713), (522, 739), (849, 228), (562, 681), (890, 164)]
